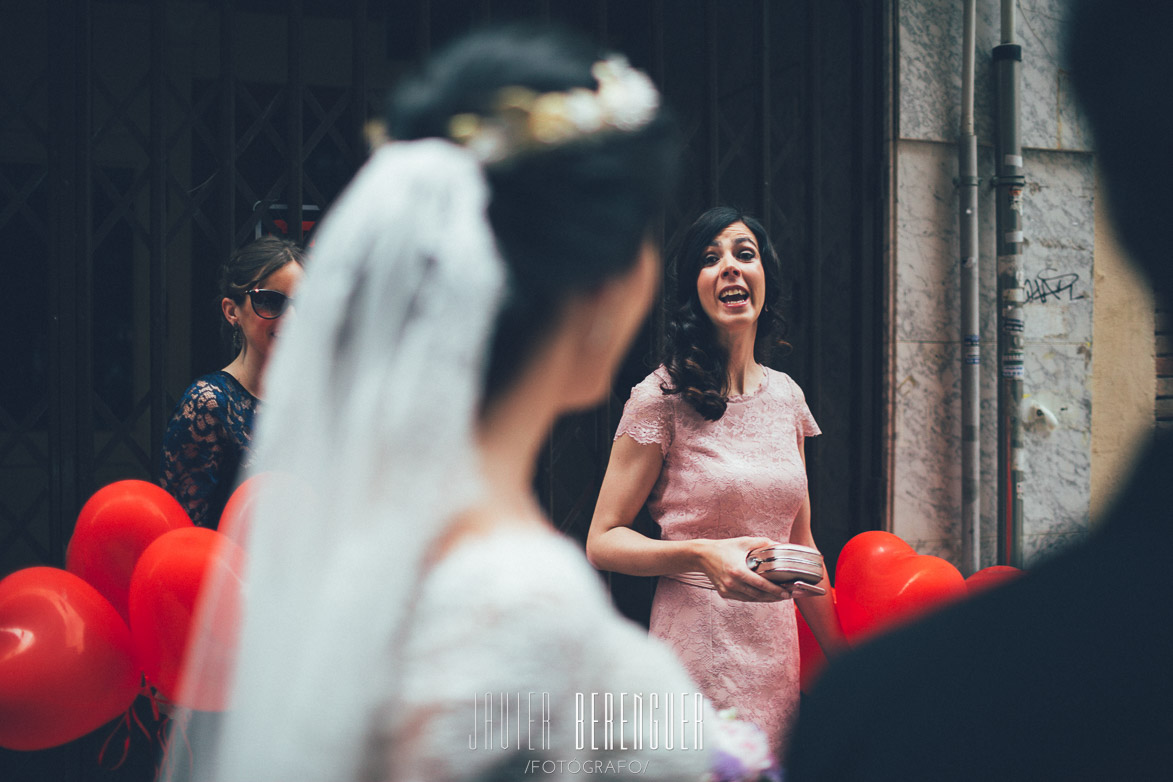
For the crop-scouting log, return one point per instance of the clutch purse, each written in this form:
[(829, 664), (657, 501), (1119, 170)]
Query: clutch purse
[(789, 563)]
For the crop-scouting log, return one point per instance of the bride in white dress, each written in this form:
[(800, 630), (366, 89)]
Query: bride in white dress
[(409, 612)]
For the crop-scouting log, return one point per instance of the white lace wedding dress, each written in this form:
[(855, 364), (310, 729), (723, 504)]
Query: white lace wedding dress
[(518, 667)]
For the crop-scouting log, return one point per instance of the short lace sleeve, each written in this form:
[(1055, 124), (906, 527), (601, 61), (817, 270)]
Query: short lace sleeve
[(647, 416), (803, 418)]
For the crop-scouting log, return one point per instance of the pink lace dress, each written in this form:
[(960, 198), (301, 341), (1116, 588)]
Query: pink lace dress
[(739, 475)]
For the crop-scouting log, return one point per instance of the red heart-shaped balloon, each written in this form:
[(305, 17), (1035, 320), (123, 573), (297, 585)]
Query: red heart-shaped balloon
[(164, 602), (113, 529), (236, 518), (990, 577), (66, 661), (881, 581)]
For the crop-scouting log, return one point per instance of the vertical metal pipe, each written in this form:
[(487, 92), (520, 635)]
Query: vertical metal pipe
[(1008, 17), (863, 459), (1011, 296), (767, 164), (660, 75), (814, 172), (715, 48), (967, 183), (358, 81), (83, 314), (227, 232), (814, 193), (888, 34), (295, 152), (157, 265), (67, 159)]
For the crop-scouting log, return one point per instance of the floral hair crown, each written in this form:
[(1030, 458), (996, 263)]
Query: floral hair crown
[(525, 120)]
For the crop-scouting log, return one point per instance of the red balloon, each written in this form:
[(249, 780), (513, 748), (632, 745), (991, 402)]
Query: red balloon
[(990, 577), (164, 601), (881, 581), (113, 529), (238, 511), (66, 660), (811, 659)]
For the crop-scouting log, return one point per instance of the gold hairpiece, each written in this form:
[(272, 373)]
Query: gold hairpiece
[(625, 100)]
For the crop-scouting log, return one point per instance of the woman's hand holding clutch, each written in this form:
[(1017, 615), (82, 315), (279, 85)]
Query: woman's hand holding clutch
[(724, 562)]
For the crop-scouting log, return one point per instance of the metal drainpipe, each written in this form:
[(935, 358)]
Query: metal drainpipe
[(967, 183), (1011, 295)]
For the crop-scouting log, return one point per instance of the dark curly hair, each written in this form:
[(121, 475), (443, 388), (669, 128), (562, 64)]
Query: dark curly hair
[(696, 361)]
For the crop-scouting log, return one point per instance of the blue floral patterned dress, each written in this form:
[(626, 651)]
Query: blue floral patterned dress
[(208, 441)]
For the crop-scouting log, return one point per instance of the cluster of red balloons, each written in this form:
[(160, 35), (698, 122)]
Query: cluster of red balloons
[(880, 583), (77, 644)]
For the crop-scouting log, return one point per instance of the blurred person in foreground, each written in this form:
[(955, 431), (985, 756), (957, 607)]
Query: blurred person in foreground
[(1066, 673)]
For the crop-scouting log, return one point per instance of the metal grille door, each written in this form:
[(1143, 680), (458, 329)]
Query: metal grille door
[(140, 142)]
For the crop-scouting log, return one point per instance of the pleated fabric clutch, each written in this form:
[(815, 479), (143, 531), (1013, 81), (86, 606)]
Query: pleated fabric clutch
[(789, 563)]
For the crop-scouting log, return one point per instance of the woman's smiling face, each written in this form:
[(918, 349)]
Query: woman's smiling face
[(731, 285)]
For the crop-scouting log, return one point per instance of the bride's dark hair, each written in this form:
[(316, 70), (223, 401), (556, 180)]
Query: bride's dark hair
[(566, 217), (695, 360)]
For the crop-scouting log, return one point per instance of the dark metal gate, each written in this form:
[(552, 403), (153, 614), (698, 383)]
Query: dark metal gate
[(140, 142)]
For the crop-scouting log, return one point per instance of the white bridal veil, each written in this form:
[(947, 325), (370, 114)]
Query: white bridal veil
[(366, 447)]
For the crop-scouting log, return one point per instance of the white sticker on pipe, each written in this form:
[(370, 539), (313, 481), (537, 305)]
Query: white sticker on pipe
[(1012, 160), (1013, 237)]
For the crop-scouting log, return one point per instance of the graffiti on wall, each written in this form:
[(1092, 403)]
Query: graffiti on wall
[(1050, 286)]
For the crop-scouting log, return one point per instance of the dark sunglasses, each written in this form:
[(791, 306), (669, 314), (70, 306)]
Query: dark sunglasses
[(268, 304)]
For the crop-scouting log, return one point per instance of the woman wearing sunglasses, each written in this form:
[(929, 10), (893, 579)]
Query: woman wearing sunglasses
[(209, 437)]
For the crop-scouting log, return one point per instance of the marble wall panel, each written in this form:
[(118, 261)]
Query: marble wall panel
[(989, 551), (927, 464), (1058, 223), (1057, 482), (930, 69), (1057, 263), (930, 36), (928, 322), (928, 295), (927, 494), (1050, 119)]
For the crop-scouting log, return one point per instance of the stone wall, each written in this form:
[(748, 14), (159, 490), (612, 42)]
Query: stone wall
[(1059, 224)]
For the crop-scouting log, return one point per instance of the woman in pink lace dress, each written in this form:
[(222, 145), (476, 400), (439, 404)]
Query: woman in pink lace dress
[(713, 442)]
